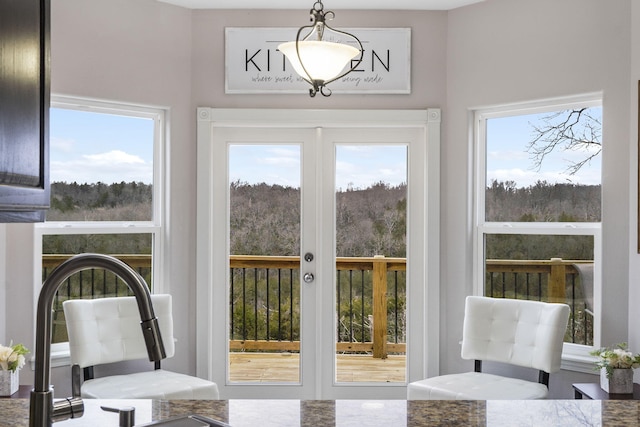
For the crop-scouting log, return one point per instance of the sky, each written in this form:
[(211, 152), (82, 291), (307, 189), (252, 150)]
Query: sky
[(357, 166), (508, 159), (87, 147)]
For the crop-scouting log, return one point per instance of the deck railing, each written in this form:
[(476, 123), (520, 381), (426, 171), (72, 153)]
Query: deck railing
[(554, 280), (371, 298), (88, 284), (265, 294)]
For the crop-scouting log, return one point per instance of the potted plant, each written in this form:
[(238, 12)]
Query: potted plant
[(616, 365), (11, 361)]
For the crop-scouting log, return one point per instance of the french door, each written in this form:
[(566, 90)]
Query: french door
[(317, 247)]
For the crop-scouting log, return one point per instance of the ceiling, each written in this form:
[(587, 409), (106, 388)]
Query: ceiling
[(307, 4)]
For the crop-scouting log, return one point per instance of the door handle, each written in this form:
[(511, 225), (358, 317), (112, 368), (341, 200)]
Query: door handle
[(308, 277)]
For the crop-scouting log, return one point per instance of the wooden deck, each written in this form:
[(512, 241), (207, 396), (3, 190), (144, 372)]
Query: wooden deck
[(283, 367)]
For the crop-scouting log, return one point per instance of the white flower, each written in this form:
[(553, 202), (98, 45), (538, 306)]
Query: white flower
[(622, 353), (5, 354), (12, 357), (20, 359)]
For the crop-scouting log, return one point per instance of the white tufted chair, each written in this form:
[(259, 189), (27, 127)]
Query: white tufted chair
[(107, 330), (518, 332)]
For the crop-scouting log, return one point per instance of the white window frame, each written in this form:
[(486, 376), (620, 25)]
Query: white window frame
[(575, 356), (156, 226)]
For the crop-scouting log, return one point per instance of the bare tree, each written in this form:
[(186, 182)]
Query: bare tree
[(568, 130)]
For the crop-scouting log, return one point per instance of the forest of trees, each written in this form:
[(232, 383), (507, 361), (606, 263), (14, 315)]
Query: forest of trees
[(100, 202), (265, 219), (543, 202)]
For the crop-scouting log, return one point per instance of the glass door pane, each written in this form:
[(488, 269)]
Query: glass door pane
[(371, 222), (392, 160), (264, 245)]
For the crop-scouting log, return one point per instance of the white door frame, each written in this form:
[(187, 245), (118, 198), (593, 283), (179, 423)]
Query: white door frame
[(423, 306)]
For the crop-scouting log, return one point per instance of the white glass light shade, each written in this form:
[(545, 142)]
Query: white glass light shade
[(323, 60)]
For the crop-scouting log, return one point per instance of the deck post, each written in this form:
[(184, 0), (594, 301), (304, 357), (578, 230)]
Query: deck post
[(557, 281), (379, 307)]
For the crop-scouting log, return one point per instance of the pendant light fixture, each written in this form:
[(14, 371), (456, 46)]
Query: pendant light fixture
[(320, 54)]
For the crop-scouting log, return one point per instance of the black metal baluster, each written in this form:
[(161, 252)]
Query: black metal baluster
[(231, 298), (573, 308), (539, 286), (244, 304), (362, 306), (339, 302), (93, 283), (396, 307), (268, 307), (291, 304), (350, 305), (491, 283), (255, 304), (280, 335)]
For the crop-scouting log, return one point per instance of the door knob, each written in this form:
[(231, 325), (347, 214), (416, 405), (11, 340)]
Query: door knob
[(308, 277)]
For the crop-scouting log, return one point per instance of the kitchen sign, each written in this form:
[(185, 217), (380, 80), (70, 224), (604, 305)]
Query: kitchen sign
[(253, 63)]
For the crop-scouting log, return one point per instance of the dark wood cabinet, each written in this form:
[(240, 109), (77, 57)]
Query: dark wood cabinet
[(24, 109)]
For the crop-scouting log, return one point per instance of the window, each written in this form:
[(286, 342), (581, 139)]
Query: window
[(537, 208), (106, 196)]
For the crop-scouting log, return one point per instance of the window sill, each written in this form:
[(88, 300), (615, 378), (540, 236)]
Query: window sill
[(60, 356), (577, 359)]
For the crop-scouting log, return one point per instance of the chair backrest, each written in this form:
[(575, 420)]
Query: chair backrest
[(108, 330), (519, 332)]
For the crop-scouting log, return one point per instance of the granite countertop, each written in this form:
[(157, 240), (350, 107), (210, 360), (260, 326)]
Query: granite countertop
[(267, 413)]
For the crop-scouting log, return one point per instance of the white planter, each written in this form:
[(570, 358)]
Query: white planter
[(621, 381), (9, 382)]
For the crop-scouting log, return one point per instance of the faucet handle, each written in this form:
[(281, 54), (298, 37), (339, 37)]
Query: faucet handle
[(127, 415)]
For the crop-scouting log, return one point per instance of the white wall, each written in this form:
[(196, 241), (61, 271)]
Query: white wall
[(634, 258), (506, 51), (3, 287), (498, 51), (19, 288)]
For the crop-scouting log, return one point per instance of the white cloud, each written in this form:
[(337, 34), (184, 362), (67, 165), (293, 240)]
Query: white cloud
[(113, 157), (109, 167)]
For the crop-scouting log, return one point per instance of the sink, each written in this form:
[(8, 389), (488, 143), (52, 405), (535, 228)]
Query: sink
[(187, 421)]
